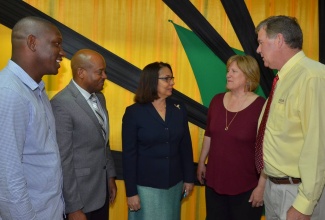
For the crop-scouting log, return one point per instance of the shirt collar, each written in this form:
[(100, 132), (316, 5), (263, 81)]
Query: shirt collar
[(82, 91), (290, 63), (24, 77)]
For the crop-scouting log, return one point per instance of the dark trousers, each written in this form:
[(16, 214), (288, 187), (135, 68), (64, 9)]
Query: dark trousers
[(226, 207), (99, 214)]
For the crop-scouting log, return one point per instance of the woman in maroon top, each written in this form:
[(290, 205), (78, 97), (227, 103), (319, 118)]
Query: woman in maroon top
[(233, 189)]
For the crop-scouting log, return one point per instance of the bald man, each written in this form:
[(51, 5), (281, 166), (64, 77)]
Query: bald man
[(30, 167), (82, 132)]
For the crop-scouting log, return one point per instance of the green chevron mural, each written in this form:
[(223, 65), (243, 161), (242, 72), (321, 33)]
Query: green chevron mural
[(209, 70)]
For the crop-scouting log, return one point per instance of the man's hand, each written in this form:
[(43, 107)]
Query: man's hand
[(112, 189), (77, 215), (293, 214)]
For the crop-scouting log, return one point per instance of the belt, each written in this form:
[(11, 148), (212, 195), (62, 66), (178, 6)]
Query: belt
[(284, 180)]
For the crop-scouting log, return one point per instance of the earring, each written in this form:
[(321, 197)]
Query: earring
[(248, 85)]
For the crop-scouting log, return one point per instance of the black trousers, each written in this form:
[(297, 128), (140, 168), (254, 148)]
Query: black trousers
[(100, 214), (226, 207)]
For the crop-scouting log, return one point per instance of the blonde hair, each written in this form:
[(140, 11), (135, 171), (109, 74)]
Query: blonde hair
[(248, 65)]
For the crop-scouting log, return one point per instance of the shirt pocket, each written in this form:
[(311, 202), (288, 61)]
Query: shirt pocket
[(277, 116), (82, 171)]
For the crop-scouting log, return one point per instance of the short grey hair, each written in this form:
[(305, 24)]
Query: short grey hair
[(285, 25)]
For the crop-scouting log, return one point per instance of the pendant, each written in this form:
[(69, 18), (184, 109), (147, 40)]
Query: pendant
[(226, 128)]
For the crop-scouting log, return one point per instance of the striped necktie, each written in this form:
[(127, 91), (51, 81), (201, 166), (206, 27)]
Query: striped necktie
[(98, 114)]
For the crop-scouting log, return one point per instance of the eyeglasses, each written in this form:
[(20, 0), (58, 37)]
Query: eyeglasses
[(167, 78)]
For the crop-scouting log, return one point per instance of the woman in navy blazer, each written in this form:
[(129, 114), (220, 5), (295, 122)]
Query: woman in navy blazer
[(157, 150)]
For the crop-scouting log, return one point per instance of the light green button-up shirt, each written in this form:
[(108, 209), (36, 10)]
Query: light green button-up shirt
[(294, 141)]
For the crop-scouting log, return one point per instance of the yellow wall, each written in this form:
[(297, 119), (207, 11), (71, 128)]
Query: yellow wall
[(139, 32)]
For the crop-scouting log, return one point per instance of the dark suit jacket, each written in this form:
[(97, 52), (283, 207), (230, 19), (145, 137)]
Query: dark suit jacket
[(86, 157), (156, 153)]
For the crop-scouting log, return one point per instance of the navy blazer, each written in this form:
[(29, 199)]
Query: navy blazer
[(156, 153)]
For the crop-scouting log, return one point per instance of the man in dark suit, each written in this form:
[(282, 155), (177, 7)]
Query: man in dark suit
[(82, 134)]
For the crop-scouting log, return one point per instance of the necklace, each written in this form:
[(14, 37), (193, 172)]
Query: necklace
[(227, 125)]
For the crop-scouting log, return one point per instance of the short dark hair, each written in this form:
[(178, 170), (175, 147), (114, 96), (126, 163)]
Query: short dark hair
[(147, 89), (285, 25), (30, 25)]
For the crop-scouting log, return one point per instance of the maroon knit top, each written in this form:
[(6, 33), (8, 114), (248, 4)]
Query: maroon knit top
[(231, 164)]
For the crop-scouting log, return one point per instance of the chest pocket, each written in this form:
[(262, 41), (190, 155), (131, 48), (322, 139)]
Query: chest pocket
[(276, 117)]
